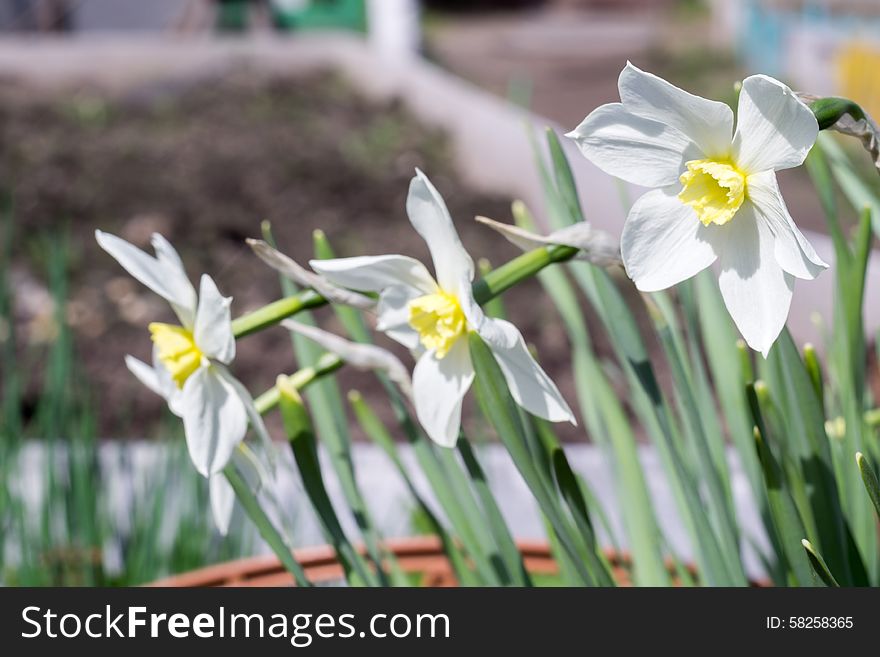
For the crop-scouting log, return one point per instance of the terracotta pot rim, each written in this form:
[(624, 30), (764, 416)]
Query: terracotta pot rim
[(416, 554)]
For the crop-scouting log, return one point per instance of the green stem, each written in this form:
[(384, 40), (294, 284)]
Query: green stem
[(326, 364), (524, 266), (275, 312), (485, 289)]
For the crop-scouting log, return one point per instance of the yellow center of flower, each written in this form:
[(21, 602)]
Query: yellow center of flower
[(177, 350), (714, 188), (439, 320)]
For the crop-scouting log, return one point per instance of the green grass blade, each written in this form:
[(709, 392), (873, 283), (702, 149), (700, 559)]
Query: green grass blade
[(264, 525), (501, 534), (502, 412), (869, 478), (787, 520), (570, 488), (817, 563), (331, 426), (301, 439), (631, 353), (608, 424), (720, 504), (563, 176), (378, 433)]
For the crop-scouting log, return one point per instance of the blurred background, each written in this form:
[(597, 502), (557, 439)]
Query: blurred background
[(201, 118)]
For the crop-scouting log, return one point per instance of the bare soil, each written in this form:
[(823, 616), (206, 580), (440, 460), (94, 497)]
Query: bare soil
[(204, 163)]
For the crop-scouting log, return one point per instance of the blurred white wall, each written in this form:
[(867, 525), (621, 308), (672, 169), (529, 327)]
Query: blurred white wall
[(394, 27)]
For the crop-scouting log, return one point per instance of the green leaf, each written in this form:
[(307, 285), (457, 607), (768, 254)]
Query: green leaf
[(331, 424), (501, 534), (565, 184), (631, 353), (820, 172), (378, 433), (804, 429), (270, 534), (502, 412), (869, 477), (712, 467), (569, 486), (859, 193), (606, 421), (462, 488), (818, 565), (787, 520), (438, 480), (814, 369), (301, 439)]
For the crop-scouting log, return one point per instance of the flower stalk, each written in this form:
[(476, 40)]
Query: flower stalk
[(276, 311), (517, 270), (326, 364), (485, 289)]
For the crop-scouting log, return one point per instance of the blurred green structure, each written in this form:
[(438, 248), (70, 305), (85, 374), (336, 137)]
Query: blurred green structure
[(321, 14), (311, 15)]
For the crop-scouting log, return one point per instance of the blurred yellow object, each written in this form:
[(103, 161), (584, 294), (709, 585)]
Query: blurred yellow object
[(439, 320), (714, 189), (858, 75), (177, 350)]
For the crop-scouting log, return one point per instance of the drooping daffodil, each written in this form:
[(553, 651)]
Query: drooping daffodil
[(432, 317), (189, 363), (716, 196)]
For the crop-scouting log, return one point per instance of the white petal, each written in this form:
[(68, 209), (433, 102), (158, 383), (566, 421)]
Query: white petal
[(663, 241), (438, 389), (222, 500), (529, 385), (213, 327), (595, 245), (708, 123), (774, 129), (375, 273), (165, 253), (362, 356), (636, 149), (172, 394), (756, 291), (793, 252), (393, 315), (290, 268), (145, 374), (428, 214), (253, 415), (214, 420), (250, 466), (163, 275)]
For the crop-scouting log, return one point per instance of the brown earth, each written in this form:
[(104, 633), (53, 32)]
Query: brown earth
[(204, 163)]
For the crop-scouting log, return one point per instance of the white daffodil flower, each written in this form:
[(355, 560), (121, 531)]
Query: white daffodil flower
[(716, 195), (432, 318), (189, 363)]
